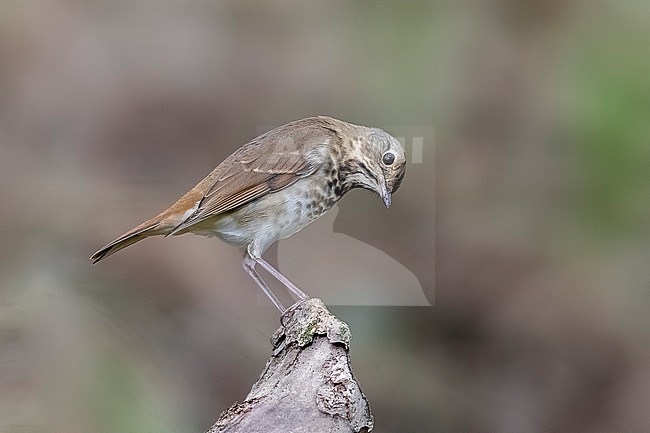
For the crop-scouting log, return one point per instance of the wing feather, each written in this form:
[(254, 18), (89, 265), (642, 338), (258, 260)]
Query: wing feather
[(266, 165)]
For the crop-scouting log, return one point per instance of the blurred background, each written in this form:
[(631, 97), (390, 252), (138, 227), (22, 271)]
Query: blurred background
[(533, 183)]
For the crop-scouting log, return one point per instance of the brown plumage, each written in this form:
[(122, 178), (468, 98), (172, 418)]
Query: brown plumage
[(275, 185)]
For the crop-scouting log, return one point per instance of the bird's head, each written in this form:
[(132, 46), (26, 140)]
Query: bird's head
[(381, 163)]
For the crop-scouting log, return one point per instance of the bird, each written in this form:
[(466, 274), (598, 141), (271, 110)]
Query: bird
[(274, 186)]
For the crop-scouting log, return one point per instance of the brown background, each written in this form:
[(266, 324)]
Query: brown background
[(537, 169)]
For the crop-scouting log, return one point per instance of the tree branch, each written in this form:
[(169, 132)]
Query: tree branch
[(307, 384)]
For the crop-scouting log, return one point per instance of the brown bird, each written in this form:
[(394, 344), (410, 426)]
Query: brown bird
[(277, 184)]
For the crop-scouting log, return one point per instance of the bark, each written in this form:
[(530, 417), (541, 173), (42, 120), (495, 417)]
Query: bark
[(307, 384)]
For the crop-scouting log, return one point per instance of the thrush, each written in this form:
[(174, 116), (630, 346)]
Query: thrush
[(274, 186)]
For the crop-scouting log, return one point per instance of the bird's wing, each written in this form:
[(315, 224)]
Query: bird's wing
[(267, 164)]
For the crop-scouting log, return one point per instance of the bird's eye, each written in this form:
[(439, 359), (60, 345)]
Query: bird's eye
[(388, 158)]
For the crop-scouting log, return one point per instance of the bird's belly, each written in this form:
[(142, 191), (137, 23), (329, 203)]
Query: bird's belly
[(270, 218)]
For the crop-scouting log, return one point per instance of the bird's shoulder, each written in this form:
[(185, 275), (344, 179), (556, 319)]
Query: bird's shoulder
[(290, 148)]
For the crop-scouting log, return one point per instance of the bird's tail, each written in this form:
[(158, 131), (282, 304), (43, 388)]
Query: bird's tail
[(144, 230)]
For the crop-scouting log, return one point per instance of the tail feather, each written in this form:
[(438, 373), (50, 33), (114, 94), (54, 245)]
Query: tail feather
[(129, 238)]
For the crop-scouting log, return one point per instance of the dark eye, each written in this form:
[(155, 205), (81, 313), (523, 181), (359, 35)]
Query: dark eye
[(388, 158)]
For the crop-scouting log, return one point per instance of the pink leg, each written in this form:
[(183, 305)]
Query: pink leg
[(281, 278), (249, 265)]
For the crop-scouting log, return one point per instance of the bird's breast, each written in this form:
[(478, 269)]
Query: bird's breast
[(274, 216)]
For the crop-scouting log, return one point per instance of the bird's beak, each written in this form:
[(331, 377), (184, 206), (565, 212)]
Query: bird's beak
[(384, 193)]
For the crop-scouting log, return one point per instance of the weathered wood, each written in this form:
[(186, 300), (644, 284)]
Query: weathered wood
[(307, 385)]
